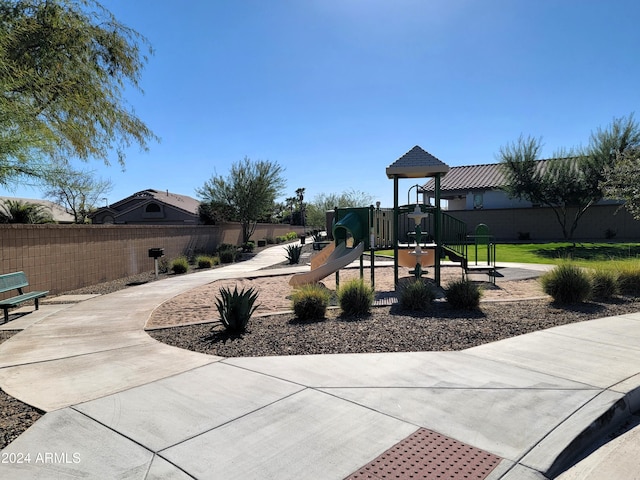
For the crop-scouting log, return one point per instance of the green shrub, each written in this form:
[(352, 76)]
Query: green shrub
[(463, 294), (228, 254), (235, 308), (248, 247), (567, 283), (416, 295), (604, 284), (281, 239), (180, 265), (205, 261), (355, 297), (310, 302), (270, 240), (293, 253)]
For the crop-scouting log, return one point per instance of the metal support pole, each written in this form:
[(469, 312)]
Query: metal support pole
[(395, 231), (437, 227)]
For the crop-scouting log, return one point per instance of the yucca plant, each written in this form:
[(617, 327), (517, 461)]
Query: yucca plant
[(416, 295), (355, 297), (235, 308), (293, 254), (310, 301), (567, 283), (463, 294)]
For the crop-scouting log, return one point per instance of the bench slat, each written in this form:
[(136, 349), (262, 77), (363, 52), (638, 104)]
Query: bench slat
[(18, 299)]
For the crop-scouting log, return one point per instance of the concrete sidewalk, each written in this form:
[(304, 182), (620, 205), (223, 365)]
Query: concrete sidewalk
[(121, 405)]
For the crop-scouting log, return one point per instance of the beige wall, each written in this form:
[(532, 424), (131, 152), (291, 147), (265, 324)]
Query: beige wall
[(60, 258), (542, 225), (506, 224)]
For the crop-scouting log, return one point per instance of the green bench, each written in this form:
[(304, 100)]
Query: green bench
[(16, 281)]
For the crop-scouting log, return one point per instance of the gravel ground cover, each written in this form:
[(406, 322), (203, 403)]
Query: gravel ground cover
[(386, 329)]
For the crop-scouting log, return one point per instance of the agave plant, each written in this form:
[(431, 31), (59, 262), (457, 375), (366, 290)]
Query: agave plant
[(293, 254), (235, 308)]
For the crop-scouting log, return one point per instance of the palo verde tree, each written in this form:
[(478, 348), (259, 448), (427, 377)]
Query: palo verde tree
[(570, 182), (248, 192), (622, 181), (64, 66), (78, 191)]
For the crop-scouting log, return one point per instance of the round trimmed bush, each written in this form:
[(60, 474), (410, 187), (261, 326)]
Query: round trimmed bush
[(567, 283), (310, 302), (416, 295), (228, 254), (463, 295), (180, 265), (355, 297), (205, 261)]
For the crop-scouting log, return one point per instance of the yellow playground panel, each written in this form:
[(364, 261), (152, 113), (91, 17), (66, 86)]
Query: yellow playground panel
[(406, 257)]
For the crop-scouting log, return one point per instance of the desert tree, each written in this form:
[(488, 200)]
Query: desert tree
[(248, 192), (622, 181), (77, 191), (64, 68), (571, 181), (321, 203)]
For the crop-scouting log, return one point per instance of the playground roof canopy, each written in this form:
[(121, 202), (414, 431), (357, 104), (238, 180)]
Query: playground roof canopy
[(416, 163)]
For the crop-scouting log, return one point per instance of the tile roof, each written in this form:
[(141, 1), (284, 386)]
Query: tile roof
[(416, 163), (182, 202)]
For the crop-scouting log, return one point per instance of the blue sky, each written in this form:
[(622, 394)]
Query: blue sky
[(336, 90)]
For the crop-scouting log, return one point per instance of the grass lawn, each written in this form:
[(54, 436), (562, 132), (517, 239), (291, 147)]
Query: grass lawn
[(581, 253)]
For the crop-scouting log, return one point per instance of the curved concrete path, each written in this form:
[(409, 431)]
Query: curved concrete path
[(121, 405)]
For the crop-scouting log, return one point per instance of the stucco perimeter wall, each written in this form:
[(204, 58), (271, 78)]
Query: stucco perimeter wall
[(511, 224), (60, 258)]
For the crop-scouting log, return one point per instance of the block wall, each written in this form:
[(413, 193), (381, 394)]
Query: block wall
[(60, 258)]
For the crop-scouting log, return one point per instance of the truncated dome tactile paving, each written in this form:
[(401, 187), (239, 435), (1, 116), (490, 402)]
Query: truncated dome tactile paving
[(429, 455)]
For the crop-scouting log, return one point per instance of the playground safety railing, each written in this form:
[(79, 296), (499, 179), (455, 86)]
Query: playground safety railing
[(454, 235)]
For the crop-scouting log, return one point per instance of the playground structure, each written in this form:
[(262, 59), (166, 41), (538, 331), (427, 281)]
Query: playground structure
[(427, 235)]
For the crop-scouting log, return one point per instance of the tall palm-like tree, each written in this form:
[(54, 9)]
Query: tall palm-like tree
[(290, 202), (16, 211), (300, 198)]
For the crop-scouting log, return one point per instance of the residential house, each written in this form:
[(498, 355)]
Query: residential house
[(473, 187), (154, 207), (474, 195)]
